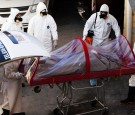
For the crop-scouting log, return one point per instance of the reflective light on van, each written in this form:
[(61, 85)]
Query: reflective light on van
[(33, 8)]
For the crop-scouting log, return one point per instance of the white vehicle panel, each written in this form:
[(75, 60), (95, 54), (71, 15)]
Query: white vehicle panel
[(16, 45)]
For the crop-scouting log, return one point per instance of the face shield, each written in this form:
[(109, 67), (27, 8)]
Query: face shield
[(43, 12), (18, 18)]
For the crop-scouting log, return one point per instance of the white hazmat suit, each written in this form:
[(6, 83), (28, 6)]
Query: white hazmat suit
[(102, 26), (11, 88), (43, 27), (10, 24), (11, 85), (132, 81)]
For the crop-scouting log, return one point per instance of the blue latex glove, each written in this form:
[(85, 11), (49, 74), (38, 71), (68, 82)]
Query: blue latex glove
[(93, 82)]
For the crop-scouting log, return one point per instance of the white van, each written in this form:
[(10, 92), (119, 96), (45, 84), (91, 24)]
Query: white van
[(26, 7)]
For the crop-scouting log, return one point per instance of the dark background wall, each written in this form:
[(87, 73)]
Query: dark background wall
[(68, 8)]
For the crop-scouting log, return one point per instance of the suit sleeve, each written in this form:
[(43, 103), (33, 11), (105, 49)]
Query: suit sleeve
[(11, 70), (31, 27), (89, 23), (115, 27), (53, 27)]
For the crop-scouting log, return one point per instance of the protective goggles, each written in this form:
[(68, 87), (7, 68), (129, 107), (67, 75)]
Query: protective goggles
[(43, 12)]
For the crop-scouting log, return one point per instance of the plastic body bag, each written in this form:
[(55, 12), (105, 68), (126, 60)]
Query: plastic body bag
[(70, 58)]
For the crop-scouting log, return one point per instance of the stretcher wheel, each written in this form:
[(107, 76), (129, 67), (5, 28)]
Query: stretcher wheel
[(57, 111), (23, 84), (37, 89), (106, 112), (93, 103)]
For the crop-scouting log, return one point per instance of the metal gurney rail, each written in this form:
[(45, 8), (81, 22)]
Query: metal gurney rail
[(67, 106)]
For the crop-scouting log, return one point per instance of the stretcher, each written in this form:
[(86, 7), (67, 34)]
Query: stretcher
[(64, 82), (75, 61), (122, 70)]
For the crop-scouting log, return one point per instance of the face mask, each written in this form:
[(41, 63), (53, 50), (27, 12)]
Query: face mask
[(43, 12), (103, 14), (18, 18)]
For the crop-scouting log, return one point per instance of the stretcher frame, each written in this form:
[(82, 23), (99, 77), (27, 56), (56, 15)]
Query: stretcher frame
[(67, 94), (67, 79)]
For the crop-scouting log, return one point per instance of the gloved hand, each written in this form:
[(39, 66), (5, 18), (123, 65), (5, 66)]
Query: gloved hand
[(55, 44), (16, 75), (19, 75), (84, 37)]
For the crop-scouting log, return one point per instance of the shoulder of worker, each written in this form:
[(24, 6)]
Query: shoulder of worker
[(111, 17), (5, 26), (50, 16), (94, 15), (33, 19)]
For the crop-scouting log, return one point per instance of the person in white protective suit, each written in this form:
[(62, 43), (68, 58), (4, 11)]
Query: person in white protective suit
[(131, 91), (14, 21), (100, 23), (43, 27), (11, 85)]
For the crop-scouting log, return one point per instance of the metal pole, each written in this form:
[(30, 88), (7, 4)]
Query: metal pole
[(129, 21)]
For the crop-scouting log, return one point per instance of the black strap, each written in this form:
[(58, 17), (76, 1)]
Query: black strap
[(91, 34)]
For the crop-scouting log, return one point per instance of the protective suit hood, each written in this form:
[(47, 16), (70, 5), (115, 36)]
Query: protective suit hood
[(13, 13), (105, 8), (41, 6)]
